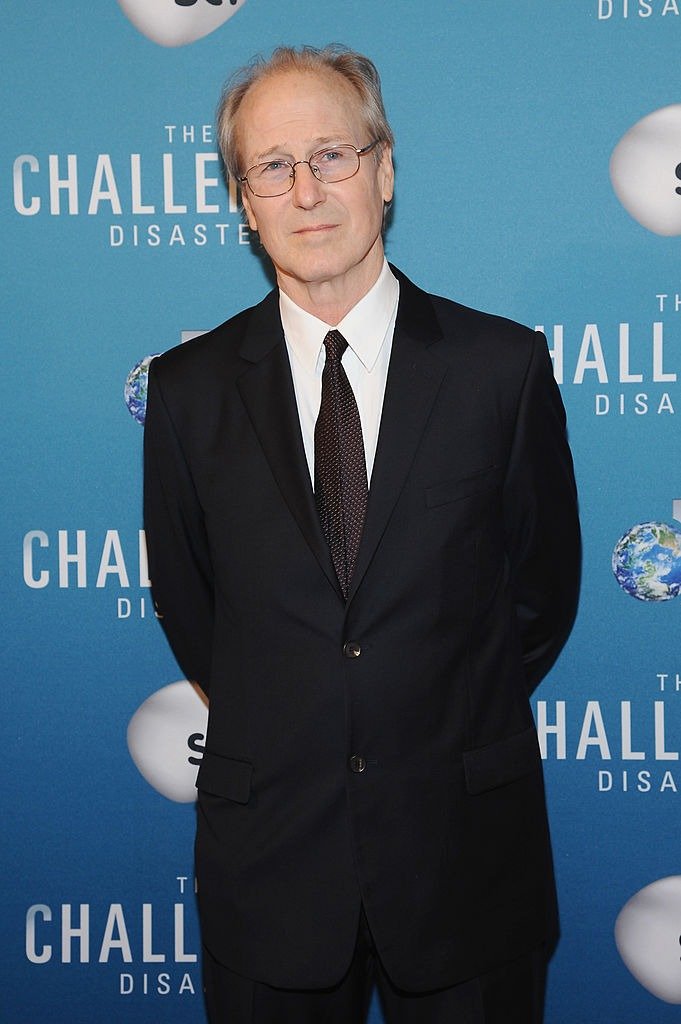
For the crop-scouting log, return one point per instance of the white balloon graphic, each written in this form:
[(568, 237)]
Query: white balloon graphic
[(158, 740), (169, 23), (648, 937), (645, 170)]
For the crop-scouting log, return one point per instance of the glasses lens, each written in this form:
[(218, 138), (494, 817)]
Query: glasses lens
[(335, 164), (275, 177), (270, 179)]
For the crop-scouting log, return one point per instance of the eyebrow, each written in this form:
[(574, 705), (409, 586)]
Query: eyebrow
[(321, 140)]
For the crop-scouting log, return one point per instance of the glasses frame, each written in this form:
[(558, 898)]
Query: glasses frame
[(315, 171)]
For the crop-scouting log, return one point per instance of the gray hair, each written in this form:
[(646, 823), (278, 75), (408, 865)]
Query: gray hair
[(356, 69)]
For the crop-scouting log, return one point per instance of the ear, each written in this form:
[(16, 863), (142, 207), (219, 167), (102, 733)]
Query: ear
[(246, 203), (386, 173)]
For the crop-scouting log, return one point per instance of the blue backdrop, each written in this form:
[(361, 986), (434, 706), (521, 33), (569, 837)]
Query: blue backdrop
[(119, 237)]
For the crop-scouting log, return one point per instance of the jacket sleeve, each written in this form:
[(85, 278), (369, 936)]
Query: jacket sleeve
[(541, 519), (179, 560)]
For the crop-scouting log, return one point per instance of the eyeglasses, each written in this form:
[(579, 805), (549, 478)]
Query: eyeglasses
[(276, 177)]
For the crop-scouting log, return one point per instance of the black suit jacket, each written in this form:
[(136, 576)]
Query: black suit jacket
[(463, 594)]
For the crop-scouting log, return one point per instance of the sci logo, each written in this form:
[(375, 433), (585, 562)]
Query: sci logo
[(166, 737), (648, 940), (645, 171), (178, 22)]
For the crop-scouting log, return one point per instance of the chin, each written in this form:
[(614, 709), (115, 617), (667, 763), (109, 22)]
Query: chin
[(315, 271)]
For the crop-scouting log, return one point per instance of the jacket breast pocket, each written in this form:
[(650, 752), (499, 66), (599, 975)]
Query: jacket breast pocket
[(502, 762), (463, 487), (225, 777)]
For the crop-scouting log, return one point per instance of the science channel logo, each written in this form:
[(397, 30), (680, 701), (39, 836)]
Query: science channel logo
[(137, 381), (647, 560), (648, 937), (645, 171), (166, 737), (135, 389), (178, 22)]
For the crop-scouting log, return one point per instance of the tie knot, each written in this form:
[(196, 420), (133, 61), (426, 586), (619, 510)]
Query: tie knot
[(335, 345)]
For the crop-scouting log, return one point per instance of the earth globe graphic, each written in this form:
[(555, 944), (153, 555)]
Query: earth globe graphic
[(647, 562), (135, 390)]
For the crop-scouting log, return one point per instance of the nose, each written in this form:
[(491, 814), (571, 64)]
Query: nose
[(307, 189)]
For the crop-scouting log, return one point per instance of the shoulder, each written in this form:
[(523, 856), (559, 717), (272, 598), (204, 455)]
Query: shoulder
[(216, 352), (478, 322), (462, 331)]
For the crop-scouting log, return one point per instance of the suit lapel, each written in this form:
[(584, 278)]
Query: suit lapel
[(414, 377), (266, 389)]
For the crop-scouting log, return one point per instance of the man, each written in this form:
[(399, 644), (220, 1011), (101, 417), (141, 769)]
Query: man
[(363, 543)]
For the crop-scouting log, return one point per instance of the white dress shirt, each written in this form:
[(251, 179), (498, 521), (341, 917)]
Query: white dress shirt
[(368, 329)]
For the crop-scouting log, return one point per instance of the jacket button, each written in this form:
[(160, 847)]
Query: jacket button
[(352, 649), (357, 763)]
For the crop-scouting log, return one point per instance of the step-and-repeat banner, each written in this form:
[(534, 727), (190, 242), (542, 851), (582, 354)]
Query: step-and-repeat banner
[(538, 167)]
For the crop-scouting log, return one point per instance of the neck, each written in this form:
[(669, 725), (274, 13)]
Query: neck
[(330, 300)]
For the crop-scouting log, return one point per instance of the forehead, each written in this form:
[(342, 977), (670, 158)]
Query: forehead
[(297, 108)]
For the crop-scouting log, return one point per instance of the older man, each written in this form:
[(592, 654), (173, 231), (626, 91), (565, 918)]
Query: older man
[(363, 541)]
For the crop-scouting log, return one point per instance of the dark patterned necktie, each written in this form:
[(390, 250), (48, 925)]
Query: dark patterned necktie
[(340, 472)]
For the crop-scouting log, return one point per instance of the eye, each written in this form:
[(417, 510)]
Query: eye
[(273, 169), (329, 156)]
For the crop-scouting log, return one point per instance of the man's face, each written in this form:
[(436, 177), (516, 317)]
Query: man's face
[(315, 233)]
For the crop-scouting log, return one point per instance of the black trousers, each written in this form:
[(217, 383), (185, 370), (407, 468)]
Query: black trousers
[(512, 994)]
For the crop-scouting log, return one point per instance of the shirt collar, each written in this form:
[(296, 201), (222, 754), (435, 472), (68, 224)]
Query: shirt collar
[(364, 327)]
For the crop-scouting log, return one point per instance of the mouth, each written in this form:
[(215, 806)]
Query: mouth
[(315, 229)]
